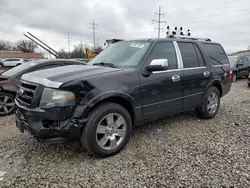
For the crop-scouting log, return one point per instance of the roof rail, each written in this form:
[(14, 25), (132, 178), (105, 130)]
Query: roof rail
[(188, 37)]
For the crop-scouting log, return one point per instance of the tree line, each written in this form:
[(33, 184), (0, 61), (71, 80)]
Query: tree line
[(29, 46), (21, 45)]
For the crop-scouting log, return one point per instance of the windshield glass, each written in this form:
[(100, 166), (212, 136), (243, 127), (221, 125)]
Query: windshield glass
[(232, 61), (122, 54), (14, 71)]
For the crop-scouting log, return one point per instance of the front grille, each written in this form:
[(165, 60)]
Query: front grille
[(26, 93)]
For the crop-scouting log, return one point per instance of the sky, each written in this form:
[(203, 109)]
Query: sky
[(224, 21)]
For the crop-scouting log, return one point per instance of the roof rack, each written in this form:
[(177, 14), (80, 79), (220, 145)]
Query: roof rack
[(188, 37)]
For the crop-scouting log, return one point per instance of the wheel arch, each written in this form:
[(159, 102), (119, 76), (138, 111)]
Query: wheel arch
[(217, 84), (120, 98)]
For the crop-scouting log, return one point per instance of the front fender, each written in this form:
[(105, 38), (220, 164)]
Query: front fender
[(83, 109), (109, 94)]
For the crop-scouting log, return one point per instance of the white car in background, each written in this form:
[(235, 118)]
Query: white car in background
[(12, 62)]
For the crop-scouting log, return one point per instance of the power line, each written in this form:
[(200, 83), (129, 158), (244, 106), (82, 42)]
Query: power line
[(159, 14), (94, 28)]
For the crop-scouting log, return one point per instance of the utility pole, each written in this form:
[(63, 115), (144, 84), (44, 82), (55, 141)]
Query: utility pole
[(69, 44), (159, 14), (94, 28)]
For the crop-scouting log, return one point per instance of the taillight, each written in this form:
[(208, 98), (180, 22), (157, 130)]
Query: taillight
[(230, 74)]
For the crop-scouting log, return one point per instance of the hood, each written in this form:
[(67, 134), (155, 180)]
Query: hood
[(3, 78), (57, 76)]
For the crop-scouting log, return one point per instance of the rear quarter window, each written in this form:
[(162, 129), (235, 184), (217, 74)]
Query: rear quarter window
[(215, 54)]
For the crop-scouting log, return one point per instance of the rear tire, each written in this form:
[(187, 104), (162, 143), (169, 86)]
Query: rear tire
[(102, 137), (248, 85), (7, 104), (234, 78), (210, 104), (18, 64)]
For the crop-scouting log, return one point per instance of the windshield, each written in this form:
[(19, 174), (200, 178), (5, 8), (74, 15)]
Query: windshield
[(232, 61), (14, 71), (122, 54)]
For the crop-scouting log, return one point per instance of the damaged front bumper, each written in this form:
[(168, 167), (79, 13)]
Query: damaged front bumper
[(52, 125)]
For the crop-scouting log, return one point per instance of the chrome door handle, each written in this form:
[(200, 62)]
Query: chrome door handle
[(175, 78), (206, 74)]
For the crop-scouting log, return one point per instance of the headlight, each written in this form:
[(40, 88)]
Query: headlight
[(56, 98)]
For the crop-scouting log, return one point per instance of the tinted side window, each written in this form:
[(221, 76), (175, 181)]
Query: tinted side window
[(245, 61), (200, 58), (165, 50), (189, 56), (215, 54)]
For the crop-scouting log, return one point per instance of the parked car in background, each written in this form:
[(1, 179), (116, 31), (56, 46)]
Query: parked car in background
[(240, 66), (129, 83), (9, 80), (12, 62)]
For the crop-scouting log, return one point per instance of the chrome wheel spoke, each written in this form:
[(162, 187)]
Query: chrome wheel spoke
[(119, 122), (101, 129), (6, 99), (5, 109), (110, 119), (104, 140), (120, 132), (113, 143), (10, 104)]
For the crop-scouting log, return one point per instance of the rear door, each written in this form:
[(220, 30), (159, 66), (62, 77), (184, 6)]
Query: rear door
[(240, 67), (245, 66), (195, 74)]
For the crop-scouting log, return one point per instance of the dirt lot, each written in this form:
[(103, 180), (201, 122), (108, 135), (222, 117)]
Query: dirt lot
[(180, 151)]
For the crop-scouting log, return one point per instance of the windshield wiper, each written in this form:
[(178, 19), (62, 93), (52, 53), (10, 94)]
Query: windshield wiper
[(105, 64)]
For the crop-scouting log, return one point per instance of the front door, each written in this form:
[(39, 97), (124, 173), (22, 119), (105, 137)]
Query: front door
[(161, 91)]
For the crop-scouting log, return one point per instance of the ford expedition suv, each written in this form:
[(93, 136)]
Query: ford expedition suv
[(129, 83)]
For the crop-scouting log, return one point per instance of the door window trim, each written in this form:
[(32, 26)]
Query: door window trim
[(180, 66)]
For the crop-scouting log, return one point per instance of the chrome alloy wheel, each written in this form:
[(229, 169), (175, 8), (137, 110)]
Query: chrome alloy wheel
[(111, 131), (7, 104), (212, 102)]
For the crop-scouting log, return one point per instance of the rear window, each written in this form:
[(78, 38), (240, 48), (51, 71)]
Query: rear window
[(215, 54)]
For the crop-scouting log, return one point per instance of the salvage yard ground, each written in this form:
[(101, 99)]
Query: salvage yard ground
[(180, 151)]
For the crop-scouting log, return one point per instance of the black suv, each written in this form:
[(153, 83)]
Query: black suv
[(129, 83), (240, 66)]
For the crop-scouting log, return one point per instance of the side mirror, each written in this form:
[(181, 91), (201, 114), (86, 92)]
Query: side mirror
[(240, 64), (158, 65)]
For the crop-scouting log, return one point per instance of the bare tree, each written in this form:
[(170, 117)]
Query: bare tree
[(78, 51), (63, 53), (5, 45), (26, 46)]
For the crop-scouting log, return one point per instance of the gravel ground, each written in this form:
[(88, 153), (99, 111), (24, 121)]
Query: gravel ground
[(181, 151)]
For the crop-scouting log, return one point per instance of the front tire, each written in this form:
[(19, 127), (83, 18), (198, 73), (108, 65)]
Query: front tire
[(107, 131), (210, 104), (7, 104)]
